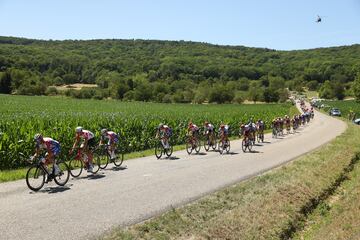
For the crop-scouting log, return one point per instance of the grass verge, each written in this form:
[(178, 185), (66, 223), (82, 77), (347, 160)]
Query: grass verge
[(272, 206)]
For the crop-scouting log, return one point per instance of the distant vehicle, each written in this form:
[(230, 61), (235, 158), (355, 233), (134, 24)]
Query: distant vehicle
[(318, 20), (357, 121), (335, 112)]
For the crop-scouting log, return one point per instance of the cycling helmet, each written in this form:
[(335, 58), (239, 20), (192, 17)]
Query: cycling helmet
[(103, 131), (190, 124), (206, 123), (222, 126), (38, 137), (78, 129), (242, 126)]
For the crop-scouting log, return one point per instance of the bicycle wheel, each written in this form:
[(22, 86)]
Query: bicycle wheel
[(76, 167), (63, 177), (105, 157), (249, 146), (119, 158), (169, 151), (243, 145), (189, 147), (35, 178), (221, 147), (96, 162), (159, 150), (197, 146), (207, 144), (227, 143), (214, 144)]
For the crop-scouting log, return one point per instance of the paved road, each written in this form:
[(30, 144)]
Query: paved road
[(91, 205)]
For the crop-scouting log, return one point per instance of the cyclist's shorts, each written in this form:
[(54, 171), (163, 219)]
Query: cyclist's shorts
[(115, 140), (55, 149), (168, 133), (92, 143)]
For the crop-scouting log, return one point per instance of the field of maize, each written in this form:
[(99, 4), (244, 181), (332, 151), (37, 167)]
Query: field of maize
[(136, 122), (344, 106)]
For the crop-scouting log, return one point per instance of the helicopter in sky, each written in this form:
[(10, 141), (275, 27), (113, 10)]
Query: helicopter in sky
[(318, 20)]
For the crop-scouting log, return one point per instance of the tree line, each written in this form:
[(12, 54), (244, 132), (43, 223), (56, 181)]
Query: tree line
[(174, 71)]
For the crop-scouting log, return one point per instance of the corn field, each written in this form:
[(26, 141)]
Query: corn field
[(21, 117)]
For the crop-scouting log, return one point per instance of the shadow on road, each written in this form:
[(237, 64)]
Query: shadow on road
[(200, 153), (254, 151), (95, 176), (168, 158), (51, 190), (121, 168)]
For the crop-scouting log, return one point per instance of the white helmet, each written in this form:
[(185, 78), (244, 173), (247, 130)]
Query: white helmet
[(103, 131), (38, 137), (78, 129)]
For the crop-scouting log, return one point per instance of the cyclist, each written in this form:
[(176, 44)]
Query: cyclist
[(193, 130), (253, 129), (281, 125), (294, 123), (209, 131), (224, 132), (87, 145), (113, 140), (53, 150), (164, 132), (245, 131), (260, 126), (287, 123)]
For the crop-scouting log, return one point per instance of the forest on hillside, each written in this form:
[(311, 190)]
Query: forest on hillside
[(174, 71)]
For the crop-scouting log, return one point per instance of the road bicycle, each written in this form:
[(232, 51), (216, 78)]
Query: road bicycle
[(105, 153), (210, 141), (274, 132), (79, 162), (224, 146), (39, 174), (160, 149), (246, 144), (260, 136), (192, 144)]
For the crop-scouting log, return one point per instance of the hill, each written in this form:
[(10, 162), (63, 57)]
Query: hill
[(172, 71)]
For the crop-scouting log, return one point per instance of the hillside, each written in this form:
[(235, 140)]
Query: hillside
[(172, 71)]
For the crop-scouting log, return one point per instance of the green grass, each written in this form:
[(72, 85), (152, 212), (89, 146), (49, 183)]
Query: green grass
[(56, 117), (345, 107), (271, 206)]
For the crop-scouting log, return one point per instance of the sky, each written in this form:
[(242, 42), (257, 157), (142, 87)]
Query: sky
[(275, 24)]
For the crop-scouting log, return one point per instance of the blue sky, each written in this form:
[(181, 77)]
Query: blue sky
[(277, 24)]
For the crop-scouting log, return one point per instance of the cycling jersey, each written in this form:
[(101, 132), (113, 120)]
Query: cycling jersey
[(209, 127), (260, 125), (50, 145), (86, 135), (194, 128), (111, 136), (166, 130), (224, 130)]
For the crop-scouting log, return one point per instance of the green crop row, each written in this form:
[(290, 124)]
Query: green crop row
[(136, 122), (345, 106)]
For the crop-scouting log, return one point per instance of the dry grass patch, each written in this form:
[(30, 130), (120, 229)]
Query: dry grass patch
[(271, 206)]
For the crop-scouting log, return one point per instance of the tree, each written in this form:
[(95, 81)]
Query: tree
[(271, 95), (5, 82), (356, 87), (326, 90)]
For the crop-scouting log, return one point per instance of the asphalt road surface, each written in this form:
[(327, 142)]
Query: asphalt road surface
[(89, 206)]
